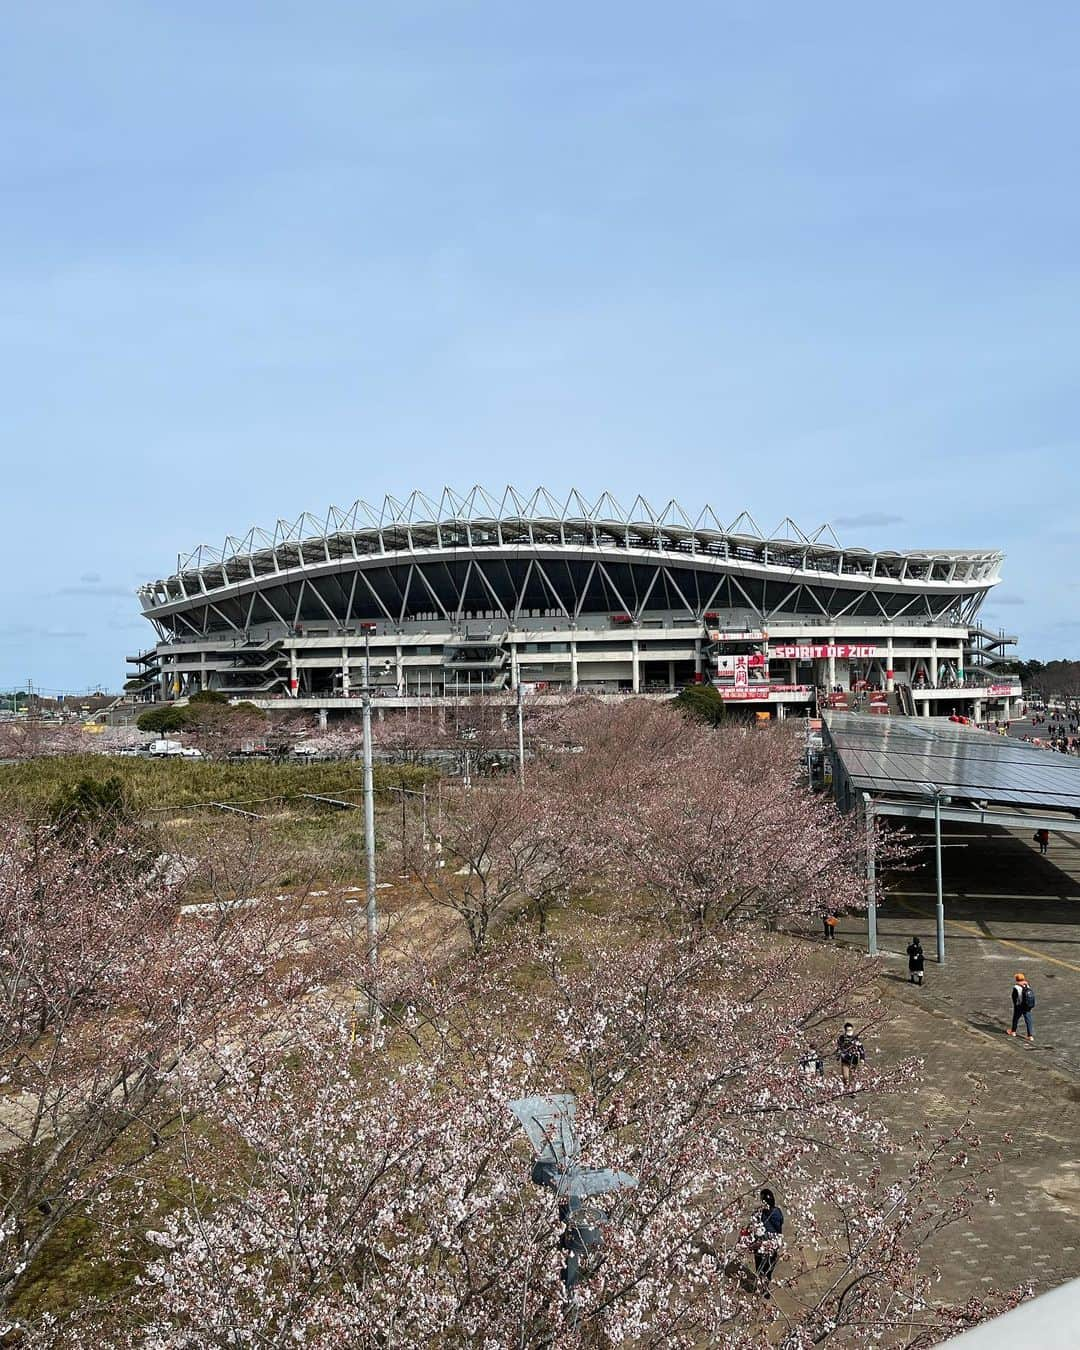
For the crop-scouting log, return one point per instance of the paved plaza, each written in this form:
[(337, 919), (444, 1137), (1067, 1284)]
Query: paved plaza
[(1008, 909)]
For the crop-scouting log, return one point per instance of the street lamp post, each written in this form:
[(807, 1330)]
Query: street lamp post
[(940, 895), (369, 830), (521, 736), (932, 790)]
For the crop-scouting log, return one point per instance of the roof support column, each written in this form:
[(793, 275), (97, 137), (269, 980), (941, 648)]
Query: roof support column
[(871, 877), (635, 666), (573, 665), (937, 866), (933, 662), (890, 683)]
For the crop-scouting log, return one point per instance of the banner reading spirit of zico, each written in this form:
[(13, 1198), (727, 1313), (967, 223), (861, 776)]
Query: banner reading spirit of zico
[(816, 652)]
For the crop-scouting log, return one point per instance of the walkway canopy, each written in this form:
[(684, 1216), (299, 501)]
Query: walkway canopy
[(913, 767), (944, 771)]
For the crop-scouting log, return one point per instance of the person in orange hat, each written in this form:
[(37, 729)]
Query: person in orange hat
[(1023, 1000)]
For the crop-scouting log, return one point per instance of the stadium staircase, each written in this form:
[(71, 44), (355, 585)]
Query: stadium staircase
[(896, 703)]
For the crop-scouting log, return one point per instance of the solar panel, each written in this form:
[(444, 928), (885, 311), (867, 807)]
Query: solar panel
[(901, 756)]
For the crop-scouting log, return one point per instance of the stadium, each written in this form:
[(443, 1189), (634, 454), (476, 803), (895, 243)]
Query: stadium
[(467, 595)]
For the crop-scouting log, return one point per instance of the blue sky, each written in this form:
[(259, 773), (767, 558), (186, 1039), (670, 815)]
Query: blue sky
[(258, 257)]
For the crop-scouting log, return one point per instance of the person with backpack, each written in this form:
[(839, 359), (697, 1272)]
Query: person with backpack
[(1042, 838), (916, 958), (768, 1232), (850, 1053), (1023, 1000)]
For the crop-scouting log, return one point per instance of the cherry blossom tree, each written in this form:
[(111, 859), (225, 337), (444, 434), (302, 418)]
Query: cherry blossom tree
[(28, 738), (370, 1195), (107, 999), (220, 729), (484, 847), (374, 1189)]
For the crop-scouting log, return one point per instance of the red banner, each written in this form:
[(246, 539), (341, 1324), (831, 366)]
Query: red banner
[(760, 692)]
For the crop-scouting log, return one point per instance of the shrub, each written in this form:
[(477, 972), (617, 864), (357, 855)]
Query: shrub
[(162, 720), (701, 701), (90, 804)]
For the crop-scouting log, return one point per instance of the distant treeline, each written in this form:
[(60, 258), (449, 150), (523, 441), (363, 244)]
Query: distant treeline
[(1050, 677)]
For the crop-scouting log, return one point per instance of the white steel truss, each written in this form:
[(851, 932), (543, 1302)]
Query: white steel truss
[(477, 525)]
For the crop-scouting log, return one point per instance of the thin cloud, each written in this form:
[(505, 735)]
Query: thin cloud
[(106, 592), (868, 518)]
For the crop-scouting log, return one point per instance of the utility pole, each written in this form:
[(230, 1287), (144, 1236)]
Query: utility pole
[(369, 835)]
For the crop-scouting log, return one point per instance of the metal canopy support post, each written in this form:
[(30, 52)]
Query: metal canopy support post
[(871, 877), (940, 897)]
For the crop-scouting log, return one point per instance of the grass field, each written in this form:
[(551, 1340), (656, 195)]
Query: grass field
[(154, 784)]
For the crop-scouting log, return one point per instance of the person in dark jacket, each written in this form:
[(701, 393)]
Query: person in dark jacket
[(915, 960), (1023, 1001), (850, 1053), (769, 1229)]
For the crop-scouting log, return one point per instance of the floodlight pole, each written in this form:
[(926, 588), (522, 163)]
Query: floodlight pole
[(871, 877), (369, 830)]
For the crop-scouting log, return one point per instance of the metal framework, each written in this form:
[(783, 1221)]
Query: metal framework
[(451, 555)]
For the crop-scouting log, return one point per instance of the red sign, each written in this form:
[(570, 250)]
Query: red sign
[(760, 692), (816, 651), (1000, 689)]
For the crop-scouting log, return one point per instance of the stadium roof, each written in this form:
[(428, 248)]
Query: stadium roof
[(521, 519)]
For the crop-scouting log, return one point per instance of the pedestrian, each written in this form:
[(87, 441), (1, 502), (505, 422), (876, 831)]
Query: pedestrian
[(812, 1063), (915, 960), (1023, 1000), (1042, 838), (850, 1053), (768, 1234), (829, 922)]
